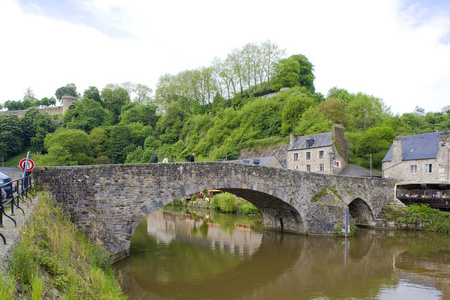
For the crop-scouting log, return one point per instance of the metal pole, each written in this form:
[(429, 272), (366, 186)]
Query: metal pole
[(370, 164), (346, 223)]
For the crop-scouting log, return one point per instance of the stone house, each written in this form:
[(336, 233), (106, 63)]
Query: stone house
[(421, 157), (325, 153), (269, 161)]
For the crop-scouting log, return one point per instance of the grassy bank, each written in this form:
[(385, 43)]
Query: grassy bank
[(418, 217), (55, 261)]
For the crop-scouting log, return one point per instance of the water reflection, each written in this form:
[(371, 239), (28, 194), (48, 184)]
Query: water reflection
[(188, 257)]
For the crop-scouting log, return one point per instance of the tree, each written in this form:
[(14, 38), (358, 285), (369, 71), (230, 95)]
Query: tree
[(68, 147), (11, 135), (287, 74), (305, 76), (114, 100), (334, 110), (69, 89), (120, 143), (143, 94), (36, 124), (85, 115), (99, 142), (293, 110), (93, 93), (145, 114), (375, 141)]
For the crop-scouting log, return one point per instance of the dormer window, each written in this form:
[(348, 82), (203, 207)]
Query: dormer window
[(309, 143)]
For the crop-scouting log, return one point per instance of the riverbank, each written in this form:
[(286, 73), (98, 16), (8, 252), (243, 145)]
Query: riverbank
[(50, 259), (418, 217)]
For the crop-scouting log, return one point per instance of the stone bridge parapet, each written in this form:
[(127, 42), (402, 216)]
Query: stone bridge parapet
[(109, 201)]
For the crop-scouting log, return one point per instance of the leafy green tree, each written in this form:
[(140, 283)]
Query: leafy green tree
[(99, 142), (305, 76), (36, 125), (143, 94), (365, 111), (69, 89), (287, 71), (334, 110), (85, 114), (67, 147), (114, 100), (375, 141), (11, 135), (92, 93), (120, 143), (145, 114), (313, 121), (293, 110)]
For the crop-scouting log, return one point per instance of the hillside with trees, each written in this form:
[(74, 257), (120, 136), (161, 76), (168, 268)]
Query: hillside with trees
[(214, 111)]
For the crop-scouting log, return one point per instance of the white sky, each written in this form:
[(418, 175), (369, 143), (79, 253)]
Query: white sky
[(395, 50)]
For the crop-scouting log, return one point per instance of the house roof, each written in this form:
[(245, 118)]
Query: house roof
[(317, 140), (420, 146), (354, 170), (262, 161)]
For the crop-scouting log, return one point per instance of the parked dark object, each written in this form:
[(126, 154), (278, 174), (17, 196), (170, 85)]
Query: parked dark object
[(9, 188)]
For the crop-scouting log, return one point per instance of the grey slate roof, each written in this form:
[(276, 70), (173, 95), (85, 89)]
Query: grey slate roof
[(262, 161), (420, 146), (320, 140), (354, 170)]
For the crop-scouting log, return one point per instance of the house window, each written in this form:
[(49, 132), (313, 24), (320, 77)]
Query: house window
[(428, 168), (309, 143), (337, 164), (296, 167), (413, 169), (308, 155), (320, 154), (308, 168), (322, 167), (295, 156)]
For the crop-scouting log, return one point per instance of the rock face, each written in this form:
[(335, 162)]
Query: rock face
[(109, 201)]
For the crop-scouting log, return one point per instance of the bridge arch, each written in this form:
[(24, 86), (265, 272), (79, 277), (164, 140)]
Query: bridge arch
[(361, 212), (109, 201)]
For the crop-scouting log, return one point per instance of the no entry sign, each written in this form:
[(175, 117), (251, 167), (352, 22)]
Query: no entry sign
[(30, 165)]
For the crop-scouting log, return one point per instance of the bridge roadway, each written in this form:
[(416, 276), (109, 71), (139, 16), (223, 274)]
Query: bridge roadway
[(109, 201)]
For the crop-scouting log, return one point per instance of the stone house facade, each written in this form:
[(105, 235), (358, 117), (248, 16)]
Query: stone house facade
[(325, 153), (422, 157)]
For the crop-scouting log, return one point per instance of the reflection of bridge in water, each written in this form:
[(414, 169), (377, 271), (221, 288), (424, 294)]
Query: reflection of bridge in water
[(167, 227), (373, 263)]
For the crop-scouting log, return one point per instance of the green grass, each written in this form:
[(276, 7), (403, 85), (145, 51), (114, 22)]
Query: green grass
[(55, 258), (419, 217)]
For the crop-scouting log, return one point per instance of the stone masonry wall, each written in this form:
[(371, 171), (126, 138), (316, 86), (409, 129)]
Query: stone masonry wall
[(109, 201)]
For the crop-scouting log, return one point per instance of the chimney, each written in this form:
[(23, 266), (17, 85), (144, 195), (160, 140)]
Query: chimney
[(338, 137), (397, 150), (292, 138)]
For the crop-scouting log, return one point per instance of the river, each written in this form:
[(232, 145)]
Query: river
[(206, 255)]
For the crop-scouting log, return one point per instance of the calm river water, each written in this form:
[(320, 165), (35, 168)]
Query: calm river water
[(206, 255)]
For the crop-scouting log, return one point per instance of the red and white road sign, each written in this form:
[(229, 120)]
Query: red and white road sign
[(30, 165)]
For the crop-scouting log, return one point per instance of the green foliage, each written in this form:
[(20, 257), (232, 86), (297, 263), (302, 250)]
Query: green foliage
[(67, 147), (85, 115), (68, 90), (297, 104), (420, 217), (53, 254), (11, 135)]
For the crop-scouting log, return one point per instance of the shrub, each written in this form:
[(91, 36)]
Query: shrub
[(226, 202)]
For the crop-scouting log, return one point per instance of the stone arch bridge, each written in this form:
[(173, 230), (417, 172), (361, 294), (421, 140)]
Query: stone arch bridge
[(109, 201)]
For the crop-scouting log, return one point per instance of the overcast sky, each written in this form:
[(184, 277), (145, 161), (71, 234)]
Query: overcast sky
[(398, 51)]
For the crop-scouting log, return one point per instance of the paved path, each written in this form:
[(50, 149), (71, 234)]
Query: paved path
[(11, 232)]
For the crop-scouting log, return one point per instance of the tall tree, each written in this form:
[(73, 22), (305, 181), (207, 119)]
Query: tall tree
[(114, 100), (11, 135), (69, 89)]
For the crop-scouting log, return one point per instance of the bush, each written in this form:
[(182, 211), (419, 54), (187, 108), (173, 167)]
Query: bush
[(245, 207), (419, 217), (226, 202)]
